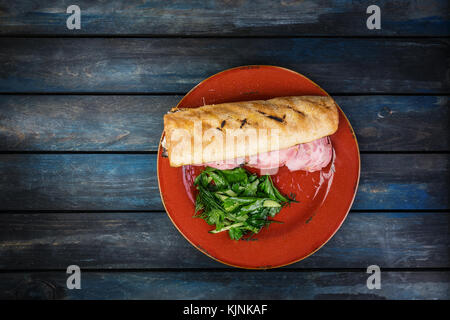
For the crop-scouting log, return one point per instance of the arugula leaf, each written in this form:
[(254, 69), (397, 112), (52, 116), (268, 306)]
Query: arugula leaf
[(215, 217), (237, 188), (268, 188), (251, 188), (235, 175), (237, 201), (276, 192), (199, 204), (235, 233), (218, 179)]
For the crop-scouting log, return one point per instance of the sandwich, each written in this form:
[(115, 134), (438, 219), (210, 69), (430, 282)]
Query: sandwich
[(266, 134)]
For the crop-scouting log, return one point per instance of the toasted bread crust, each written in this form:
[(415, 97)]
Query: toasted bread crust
[(200, 135)]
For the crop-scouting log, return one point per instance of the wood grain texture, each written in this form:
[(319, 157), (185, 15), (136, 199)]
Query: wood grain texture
[(134, 123), (241, 285), (176, 65), (62, 209), (82, 123), (128, 182), (148, 240), (226, 18)]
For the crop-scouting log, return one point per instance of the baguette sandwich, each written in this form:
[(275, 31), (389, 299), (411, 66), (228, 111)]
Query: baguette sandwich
[(264, 134)]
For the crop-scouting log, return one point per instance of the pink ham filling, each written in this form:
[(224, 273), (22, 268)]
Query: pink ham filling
[(311, 156)]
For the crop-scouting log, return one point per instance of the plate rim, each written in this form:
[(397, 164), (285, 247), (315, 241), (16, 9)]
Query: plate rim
[(337, 228)]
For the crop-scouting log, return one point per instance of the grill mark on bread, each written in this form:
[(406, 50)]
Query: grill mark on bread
[(223, 123), (299, 112), (276, 118), (272, 117), (243, 122)]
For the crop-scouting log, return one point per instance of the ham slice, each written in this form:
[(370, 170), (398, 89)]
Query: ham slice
[(273, 159), (311, 156)]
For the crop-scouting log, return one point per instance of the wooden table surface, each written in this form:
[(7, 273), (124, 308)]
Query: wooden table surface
[(81, 116)]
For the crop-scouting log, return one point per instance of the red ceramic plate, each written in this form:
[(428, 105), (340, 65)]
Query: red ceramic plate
[(325, 196)]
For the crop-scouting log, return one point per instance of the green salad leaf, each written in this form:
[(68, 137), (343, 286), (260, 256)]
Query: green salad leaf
[(237, 201)]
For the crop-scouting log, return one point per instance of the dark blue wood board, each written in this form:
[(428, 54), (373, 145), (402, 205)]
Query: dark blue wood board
[(175, 65), (240, 285), (128, 182), (148, 240), (226, 18), (134, 60), (135, 123)]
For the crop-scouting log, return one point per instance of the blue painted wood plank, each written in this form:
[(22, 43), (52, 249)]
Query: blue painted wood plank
[(176, 65), (82, 123), (398, 123), (128, 182), (134, 123), (227, 18), (148, 240), (228, 285)]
